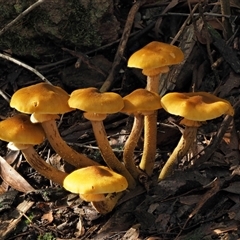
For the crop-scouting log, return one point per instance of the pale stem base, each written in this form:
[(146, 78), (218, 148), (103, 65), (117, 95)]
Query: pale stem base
[(108, 204)]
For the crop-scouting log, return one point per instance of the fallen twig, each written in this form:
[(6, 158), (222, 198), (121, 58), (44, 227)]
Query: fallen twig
[(184, 24), (84, 58), (225, 9), (121, 47), (25, 66), (21, 15)]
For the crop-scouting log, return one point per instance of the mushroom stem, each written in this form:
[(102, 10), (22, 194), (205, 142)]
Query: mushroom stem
[(45, 169), (150, 131), (59, 145), (150, 141), (131, 143), (108, 154), (184, 144), (153, 83), (106, 206)]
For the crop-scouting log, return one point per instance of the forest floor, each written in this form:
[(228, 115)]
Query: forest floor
[(201, 199)]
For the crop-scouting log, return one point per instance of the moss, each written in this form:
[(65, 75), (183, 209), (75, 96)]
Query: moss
[(64, 23), (20, 46), (78, 29), (6, 12), (20, 6)]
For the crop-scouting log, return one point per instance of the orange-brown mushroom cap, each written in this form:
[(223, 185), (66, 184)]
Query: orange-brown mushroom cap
[(155, 57), (196, 106), (91, 100), (41, 98), (12, 129), (95, 180), (141, 101)]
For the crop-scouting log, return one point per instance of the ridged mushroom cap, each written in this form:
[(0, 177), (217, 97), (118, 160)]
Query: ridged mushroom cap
[(93, 101), (155, 57), (95, 180), (140, 101), (196, 106), (19, 129), (41, 98)]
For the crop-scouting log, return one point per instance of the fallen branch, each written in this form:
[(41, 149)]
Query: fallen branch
[(121, 47), (21, 15), (25, 66)]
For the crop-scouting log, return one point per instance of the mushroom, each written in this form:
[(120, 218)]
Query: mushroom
[(155, 59), (195, 108), (96, 106), (22, 135), (93, 183), (140, 102), (45, 102)]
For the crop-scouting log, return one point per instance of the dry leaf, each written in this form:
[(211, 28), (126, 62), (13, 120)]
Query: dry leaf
[(48, 217), (80, 228), (132, 233), (13, 178)]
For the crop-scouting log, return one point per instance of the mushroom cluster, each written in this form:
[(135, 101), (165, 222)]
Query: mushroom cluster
[(104, 185), (45, 102)]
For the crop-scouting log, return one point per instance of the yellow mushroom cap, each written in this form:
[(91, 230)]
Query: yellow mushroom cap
[(196, 106), (91, 100), (155, 55), (19, 129), (94, 180), (140, 101), (41, 98)]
